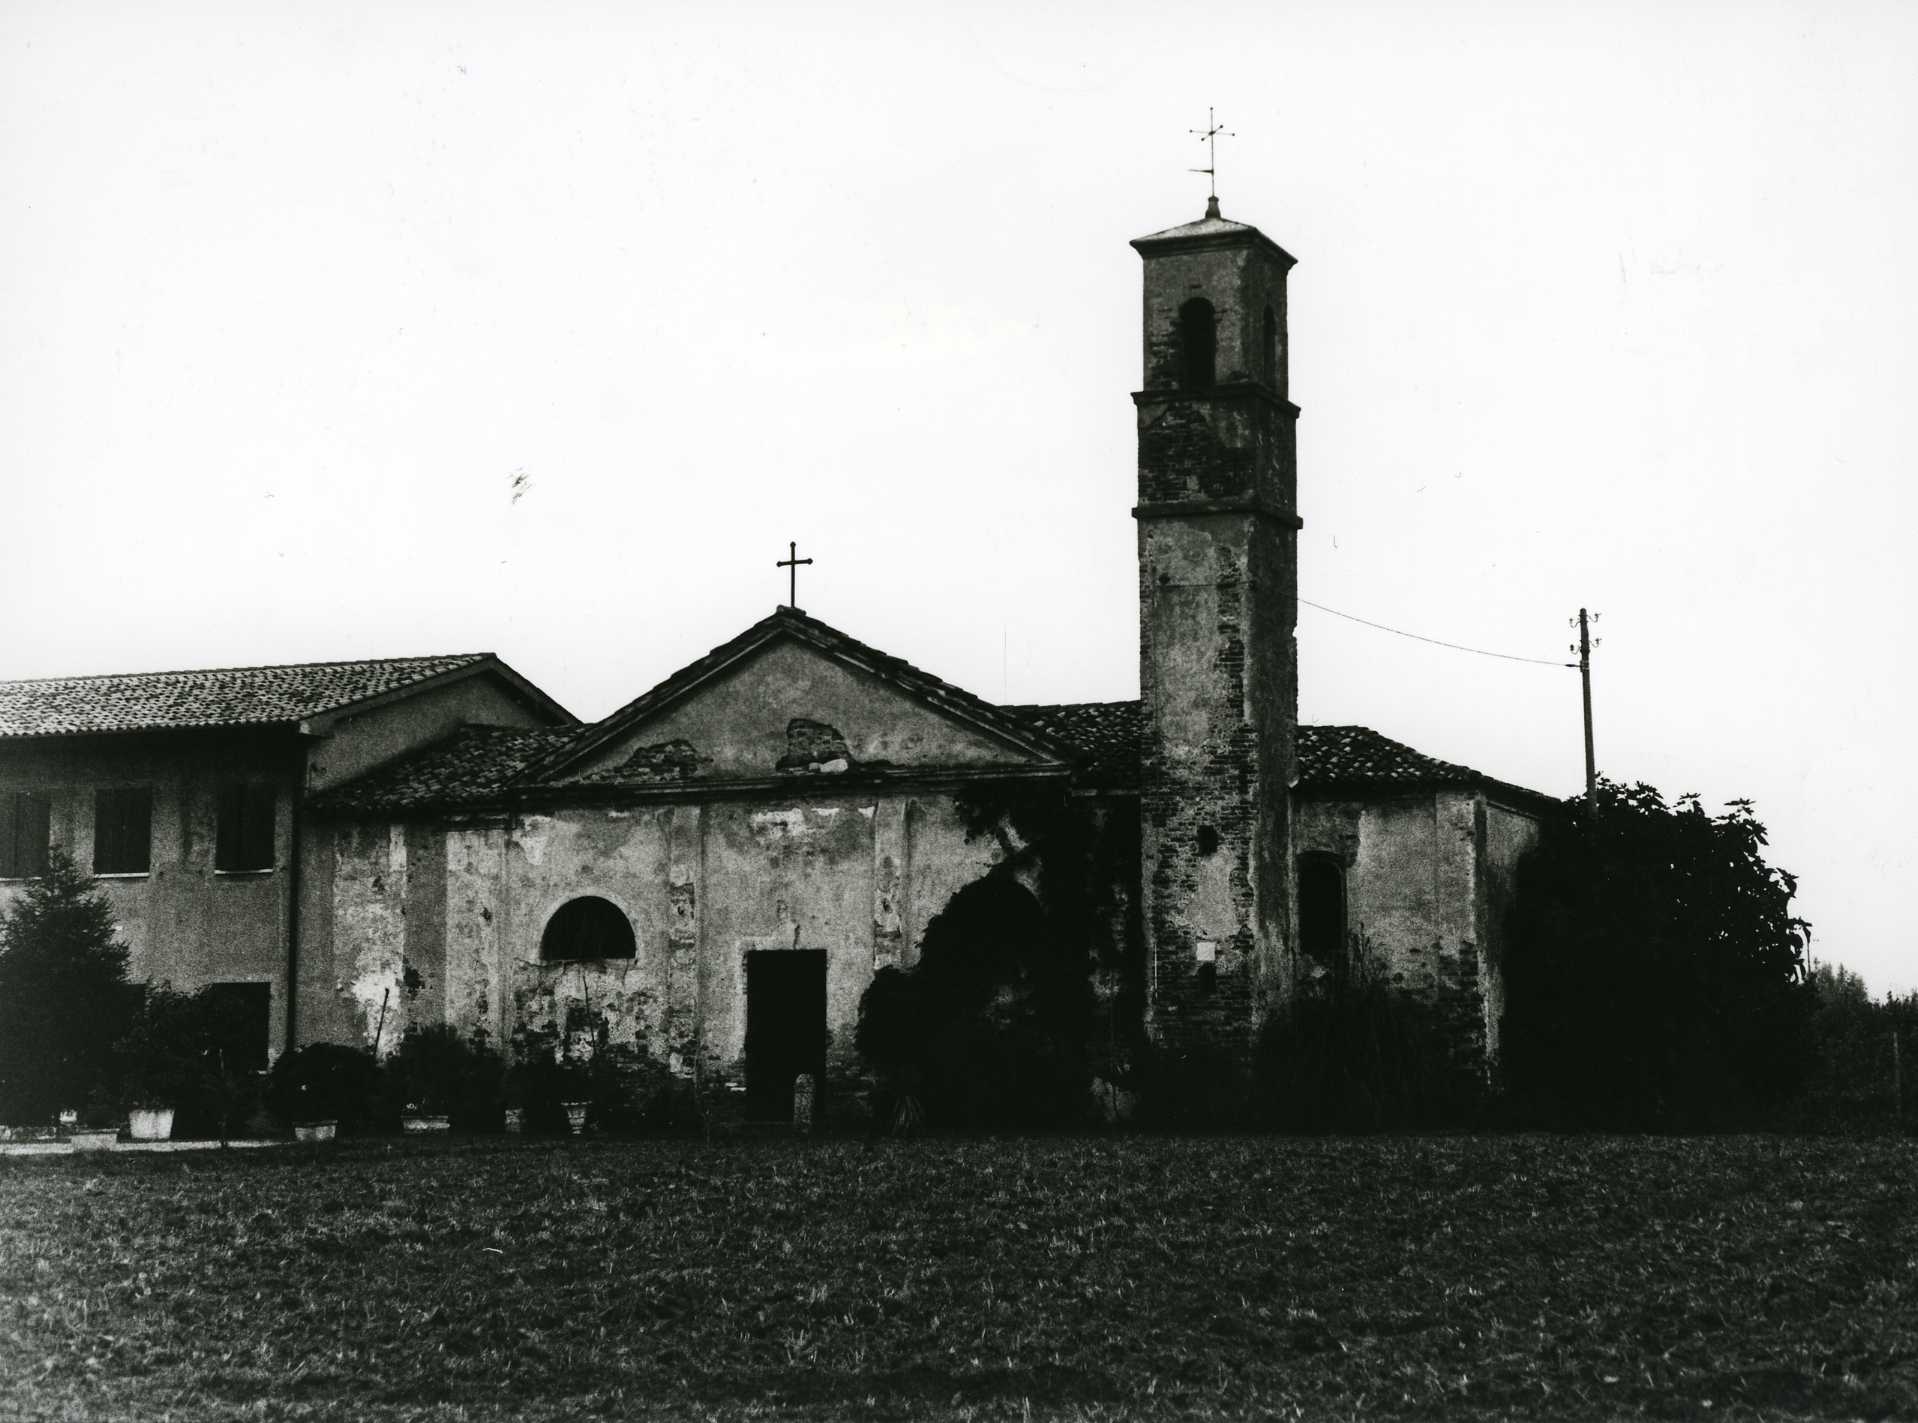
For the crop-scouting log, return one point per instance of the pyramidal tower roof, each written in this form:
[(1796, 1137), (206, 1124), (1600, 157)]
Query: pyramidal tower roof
[(1212, 230)]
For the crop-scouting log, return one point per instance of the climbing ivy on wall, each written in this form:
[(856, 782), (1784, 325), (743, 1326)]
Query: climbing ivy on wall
[(1027, 987)]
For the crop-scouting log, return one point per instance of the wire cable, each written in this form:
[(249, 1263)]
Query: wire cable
[(1436, 642)]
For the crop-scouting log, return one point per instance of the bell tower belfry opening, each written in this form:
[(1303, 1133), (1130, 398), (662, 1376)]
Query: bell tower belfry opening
[(1218, 604)]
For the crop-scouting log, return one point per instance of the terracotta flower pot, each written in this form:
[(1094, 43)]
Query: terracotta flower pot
[(150, 1123)]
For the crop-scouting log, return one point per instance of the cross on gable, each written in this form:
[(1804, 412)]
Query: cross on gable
[(792, 561)]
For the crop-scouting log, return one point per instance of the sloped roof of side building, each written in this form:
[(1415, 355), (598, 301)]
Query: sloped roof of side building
[(230, 697)]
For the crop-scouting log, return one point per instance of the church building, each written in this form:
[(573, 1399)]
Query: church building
[(712, 875)]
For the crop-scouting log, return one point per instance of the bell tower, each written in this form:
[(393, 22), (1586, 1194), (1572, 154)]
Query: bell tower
[(1218, 602)]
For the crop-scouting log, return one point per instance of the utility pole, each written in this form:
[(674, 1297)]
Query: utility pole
[(1585, 677)]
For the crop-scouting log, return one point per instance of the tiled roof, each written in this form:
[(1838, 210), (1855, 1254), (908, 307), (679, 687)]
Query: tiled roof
[(467, 769), (481, 764), (794, 622), (1335, 756), (221, 696), (1107, 736)]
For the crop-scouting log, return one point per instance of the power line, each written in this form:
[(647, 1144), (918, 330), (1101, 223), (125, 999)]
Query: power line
[(1436, 642)]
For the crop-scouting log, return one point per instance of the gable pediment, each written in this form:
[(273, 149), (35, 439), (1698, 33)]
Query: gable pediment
[(794, 698)]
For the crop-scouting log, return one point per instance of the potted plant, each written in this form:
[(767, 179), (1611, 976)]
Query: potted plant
[(323, 1087), (427, 1072), (157, 1064), (149, 1118), (546, 1086), (99, 1126)]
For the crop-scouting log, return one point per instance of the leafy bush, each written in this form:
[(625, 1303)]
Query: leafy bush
[(1863, 1057), (439, 1072), (991, 1026), (327, 1081), (65, 1001), (1361, 1055), (546, 1074), (162, 1056), (1654, 969)]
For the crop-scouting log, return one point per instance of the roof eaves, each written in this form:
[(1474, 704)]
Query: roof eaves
[(953, 700)]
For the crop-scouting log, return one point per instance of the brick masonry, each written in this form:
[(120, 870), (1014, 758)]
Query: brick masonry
[(1218, 604)]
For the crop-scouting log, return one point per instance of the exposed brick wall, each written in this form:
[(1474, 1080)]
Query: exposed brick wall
[(1218, 600)]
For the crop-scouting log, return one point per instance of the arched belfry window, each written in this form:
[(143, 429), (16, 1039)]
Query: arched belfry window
[(1269, 349), (1198, 344), (588, 928), (1321, 908)]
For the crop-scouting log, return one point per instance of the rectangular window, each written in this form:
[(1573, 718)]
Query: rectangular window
[(123, 831), (241, 1023), (245, 835), (26, 819)]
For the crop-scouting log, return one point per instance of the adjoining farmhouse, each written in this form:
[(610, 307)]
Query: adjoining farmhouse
[(185, 794), (716, 871)]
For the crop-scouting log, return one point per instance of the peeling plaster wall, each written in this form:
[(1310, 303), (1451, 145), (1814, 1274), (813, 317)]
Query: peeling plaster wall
[(628, 857), (184, 922), (1412, 893), (369, 923), (1217, 550), (703, 885), (738, 722), (1508, 835), (356, 743)]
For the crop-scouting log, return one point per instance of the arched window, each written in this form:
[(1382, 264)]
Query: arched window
[(1198, 343), (1322, 908), (1269, 348), (589, 928)]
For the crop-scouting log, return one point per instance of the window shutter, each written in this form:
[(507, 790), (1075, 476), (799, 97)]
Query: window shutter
[(226, 816), (10, 817), (259, 823), (35, 832), (123, 831)]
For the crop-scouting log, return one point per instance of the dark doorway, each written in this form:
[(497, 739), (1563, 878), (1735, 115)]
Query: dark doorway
[(785, 1027), (1322, 908), (242, 1014)]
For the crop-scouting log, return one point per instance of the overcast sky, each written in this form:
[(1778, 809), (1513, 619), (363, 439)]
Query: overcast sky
[(337, 332)]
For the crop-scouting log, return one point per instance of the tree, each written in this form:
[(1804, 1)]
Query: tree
[(990, 1026), (65, 1001), (1655, 972)]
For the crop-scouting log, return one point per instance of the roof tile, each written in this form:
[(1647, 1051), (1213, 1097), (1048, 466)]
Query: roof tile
[(467, 769), (219, 696)]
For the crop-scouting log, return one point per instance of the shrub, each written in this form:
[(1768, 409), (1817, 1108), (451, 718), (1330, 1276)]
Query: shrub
[(545, 1075), (327, 1081), (1654, 969), (991, 1026), (1360, 1055), (1863, 1054), (65, 1002), (159, 1058), (439, 1072)]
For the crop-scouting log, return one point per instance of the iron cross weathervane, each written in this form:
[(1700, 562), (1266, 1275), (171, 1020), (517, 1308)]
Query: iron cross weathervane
[(792, 561), (1210, 133)]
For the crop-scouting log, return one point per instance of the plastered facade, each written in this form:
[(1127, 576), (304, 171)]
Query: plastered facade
[(1428, 879), (1217, 540), (186, 922), (443, 922)]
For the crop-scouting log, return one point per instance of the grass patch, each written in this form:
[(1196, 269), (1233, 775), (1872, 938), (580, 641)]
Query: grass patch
[(1446, 1277)]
